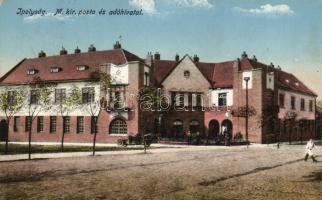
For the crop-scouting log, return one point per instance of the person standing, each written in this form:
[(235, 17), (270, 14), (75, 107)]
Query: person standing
[(309, 150)]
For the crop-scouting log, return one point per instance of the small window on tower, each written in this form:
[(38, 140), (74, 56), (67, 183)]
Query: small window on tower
[(186, 74)]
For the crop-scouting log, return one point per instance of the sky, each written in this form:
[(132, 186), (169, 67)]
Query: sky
[(285, 32)]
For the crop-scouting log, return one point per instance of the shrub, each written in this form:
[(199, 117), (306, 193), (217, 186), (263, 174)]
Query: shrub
[(122, 142), (238, 136)]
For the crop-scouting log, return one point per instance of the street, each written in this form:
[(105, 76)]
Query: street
[(259, 172)]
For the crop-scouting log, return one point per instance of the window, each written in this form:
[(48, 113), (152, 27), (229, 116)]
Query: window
[(60, 95), (181, 100), (40, 124), (27, 123), (16, 122), (94, 124), (281, 100), (186, 74), (146, 79), (118, 126), (190, 99), (80, 124), (82, 67), (222, 99), (66, 124), (173, 98), (198, 103), (311, 105), (117, 103), (31, 71), (33, 97), (88, 94), (52, 128), (292, 102), (302, 104), (55, 69), (11, 98)]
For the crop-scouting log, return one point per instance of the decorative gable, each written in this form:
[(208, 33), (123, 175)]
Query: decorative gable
[(186, 77)]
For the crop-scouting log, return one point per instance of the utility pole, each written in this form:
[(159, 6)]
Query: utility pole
[(246, 117)]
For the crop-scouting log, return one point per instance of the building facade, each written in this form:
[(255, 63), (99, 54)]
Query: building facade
[(207, 99)]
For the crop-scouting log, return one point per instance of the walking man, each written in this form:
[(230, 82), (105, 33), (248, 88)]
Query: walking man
[(309, 150)]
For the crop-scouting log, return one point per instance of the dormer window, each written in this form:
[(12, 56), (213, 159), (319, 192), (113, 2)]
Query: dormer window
[(297, 84), (82, 67), (55, 69), (287, 81), (31, 71)]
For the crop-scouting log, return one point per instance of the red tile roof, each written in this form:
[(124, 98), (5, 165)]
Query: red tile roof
[(68, 64), (290, 82), (285, 80), (220, 75)]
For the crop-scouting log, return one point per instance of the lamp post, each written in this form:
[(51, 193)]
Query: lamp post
[(246, 117)]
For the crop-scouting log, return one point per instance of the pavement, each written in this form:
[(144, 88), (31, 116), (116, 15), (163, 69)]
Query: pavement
[(158, 148)]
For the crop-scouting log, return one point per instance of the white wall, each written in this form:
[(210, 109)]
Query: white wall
[(306, 114), (120, 73), (81, 111), (250, 82)]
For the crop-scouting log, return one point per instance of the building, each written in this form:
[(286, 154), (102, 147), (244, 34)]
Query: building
[(318, 122), (201, 98)]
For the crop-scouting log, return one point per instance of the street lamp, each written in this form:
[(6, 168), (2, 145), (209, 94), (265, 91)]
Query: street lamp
[(246, 117)]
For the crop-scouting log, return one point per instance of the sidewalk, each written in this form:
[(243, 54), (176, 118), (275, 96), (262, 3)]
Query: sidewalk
[(163, 148)]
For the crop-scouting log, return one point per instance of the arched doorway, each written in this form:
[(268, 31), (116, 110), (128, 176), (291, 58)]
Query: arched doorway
[(3, 130), (118, 126), (214, 129), (227, 127), (194, 126), (178, 129)]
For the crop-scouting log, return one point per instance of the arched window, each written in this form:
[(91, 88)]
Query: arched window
[(178, 128), (118, 126), (194, 126)]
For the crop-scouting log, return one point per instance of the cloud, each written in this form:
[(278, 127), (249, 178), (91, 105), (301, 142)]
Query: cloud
[(194, 3), (268, 9), (47, 16), (147, 6), (1, 1)]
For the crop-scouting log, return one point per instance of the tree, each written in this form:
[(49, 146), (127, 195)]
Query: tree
[(152, 103), (268, 119), (65, 104), (94, 107), (246, 112), (290, 117), (319, 103), (11, 102), (39, 101)]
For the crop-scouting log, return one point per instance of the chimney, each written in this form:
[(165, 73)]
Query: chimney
[(63, 51), (244, 55), (91, 48), (254, 58), (117, 45), (41, 54), (157, 56), (271, 65), (279, 67), (149, 59), (177, 58), (77, 50), (195, 58)]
